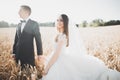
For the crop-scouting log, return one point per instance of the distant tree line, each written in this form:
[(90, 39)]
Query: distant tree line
[(94, 23), (98, 22), (4, 24), (47, 24)]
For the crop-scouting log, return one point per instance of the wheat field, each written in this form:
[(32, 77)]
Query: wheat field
[(101, 42)]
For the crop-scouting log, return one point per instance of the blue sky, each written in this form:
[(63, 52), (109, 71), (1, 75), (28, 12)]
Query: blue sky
[(48, 10)]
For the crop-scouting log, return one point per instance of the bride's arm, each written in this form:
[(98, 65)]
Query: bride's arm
[(55, 55)]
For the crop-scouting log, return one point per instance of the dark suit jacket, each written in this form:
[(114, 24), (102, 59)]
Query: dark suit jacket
[(23, 47)]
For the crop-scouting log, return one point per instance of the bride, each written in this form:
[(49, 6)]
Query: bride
[(70, 61)]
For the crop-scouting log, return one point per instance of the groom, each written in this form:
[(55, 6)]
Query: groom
[(27, 30)]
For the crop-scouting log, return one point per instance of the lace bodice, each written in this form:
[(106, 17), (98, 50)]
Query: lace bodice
[(62, 38)]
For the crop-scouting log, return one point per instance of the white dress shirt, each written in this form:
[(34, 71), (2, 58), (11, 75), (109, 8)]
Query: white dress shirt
[(23, 24)]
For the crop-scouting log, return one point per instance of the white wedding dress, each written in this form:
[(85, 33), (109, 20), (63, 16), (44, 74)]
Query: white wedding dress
[(73, 64)]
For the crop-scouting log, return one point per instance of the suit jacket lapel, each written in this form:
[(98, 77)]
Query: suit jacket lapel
[(26, 25)]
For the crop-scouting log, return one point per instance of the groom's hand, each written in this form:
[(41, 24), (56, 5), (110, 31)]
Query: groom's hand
[(41, 57), (13, 56), (45, 71)]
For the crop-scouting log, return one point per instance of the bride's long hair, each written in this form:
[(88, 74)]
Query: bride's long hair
[(66, 32), (65, 22)]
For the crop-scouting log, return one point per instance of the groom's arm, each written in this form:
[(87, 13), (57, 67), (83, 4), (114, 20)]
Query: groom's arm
[(15, 42), (38, 39), (14, 45)]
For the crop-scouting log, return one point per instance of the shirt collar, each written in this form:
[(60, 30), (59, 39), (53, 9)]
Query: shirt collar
[(26, 19)]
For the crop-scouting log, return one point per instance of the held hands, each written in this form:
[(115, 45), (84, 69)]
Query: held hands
[(42, 59), (46, 67), (45, 71)]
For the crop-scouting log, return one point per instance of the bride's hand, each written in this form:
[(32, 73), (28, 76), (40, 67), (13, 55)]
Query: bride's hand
[(45, 71)]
